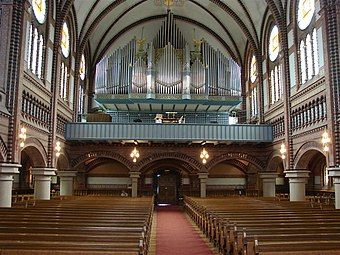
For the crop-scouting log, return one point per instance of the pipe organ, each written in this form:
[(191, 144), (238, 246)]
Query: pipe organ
[(167, 66)]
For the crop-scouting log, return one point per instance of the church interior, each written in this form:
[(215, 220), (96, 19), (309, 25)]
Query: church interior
[(170, 127)]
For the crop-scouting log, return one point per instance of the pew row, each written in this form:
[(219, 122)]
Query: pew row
[(78, 225), (261, 226)]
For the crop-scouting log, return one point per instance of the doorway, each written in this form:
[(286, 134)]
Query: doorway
[(167, 186)]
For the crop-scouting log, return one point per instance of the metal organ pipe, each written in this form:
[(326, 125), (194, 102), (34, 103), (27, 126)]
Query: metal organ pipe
[(165, 72)]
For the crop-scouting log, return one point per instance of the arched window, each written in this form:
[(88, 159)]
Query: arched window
[(274, 44), (307, 36), (65, 63), (253, 87), (276, 86), (254, 106), (306, 10), (253, 69), (35, 39), (82, 85), (82, 69)]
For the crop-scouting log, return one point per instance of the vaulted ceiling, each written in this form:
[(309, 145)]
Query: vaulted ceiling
[(229, 24)]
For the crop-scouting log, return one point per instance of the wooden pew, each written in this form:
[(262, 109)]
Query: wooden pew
[(78, 225), (253, 226)]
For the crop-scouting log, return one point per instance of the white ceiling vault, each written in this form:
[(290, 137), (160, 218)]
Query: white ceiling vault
[(229, 24)]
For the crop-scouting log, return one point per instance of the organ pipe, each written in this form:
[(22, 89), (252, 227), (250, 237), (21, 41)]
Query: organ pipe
[(168, 68)]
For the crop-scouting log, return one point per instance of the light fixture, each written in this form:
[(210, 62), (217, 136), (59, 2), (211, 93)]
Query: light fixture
[(325, 141), (22, 137), (57, 149), (204, 156), (283, 151), (134, 155), (170, 3)]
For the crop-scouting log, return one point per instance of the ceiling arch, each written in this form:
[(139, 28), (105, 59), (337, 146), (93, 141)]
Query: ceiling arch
[(236, 22)]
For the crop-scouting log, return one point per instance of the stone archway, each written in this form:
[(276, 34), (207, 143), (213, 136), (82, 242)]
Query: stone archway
[(92, 155), (32, 156), (183, 174), (63, 163), (314, 161), (275, 165)]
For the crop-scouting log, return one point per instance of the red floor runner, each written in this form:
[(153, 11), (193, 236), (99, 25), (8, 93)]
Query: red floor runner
[(175, 234)]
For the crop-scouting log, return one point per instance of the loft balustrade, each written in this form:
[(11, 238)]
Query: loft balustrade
[(167, 132)]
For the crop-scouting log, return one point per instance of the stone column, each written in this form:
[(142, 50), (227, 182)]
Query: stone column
[(297, 184), (134, 183), (7, 171), (66, 182), (334, 172), (269, 184), (42, 182), (203, 183)]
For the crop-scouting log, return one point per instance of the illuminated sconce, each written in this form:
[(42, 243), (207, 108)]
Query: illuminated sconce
[(204, 156), (57, 149), (325, 141), (134, 155), (283, 151), (22, 137)]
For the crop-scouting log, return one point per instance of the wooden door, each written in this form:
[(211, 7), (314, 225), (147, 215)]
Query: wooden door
[(167, 188)]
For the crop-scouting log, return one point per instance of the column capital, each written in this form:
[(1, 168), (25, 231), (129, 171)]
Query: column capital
[(333, 171), (8, 168), (269, 175), (297, 173), (67, 173), (43, 171), (203, 175), (134, 174)]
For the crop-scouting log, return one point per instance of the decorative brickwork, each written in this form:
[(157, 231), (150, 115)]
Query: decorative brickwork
[(331, 10), (240, 156)]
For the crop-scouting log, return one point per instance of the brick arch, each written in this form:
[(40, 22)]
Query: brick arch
[(36, 151), (234, 162), (3, 150), (103, 154), (273, 162), (236, 155), (63, 162), (179, 165), (102, 160), (301, 157), (193, 163)]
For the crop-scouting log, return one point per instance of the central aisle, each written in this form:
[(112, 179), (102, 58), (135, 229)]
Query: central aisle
[(176, 236)]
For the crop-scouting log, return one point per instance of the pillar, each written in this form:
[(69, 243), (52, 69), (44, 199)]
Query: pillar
[(297, 184), (334, 172), (66, 182), (203, 183), (134, 183), (269, 184), (6, 182), (42, 182)]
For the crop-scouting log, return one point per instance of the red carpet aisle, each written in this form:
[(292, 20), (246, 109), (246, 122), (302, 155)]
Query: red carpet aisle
[(176, 236)]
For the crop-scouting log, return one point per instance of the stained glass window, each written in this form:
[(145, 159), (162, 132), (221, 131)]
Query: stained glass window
[(65, 40), (82, 69), (306, 10), (254, 109), (253, 69), (274, 44), (39, 10)]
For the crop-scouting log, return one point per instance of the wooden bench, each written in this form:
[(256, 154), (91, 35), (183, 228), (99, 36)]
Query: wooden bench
[(253, 226), (80, 225)]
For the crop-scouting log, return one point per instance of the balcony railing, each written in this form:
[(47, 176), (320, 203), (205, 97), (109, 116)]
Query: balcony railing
[(96, 131)]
